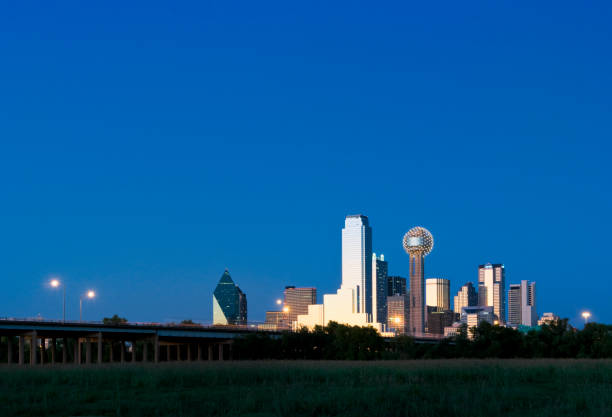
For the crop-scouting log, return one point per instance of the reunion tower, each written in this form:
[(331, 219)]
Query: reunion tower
[(418, 243)]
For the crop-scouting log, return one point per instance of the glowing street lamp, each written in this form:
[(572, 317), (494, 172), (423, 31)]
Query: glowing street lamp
[(586, 316), (279, 301), (56, 283), (286, 309), (90, 294)]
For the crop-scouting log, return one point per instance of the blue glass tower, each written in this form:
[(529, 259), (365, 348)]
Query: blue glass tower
[(229, 302)]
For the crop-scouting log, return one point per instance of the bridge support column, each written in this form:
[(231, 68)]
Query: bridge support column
[(99, 347), (188, 352), (33, 342), (220, 351), (210, 352), (64, 350), (77, 351), (9, 346), (145, 351), (168, 353), (80, 351), (112, 352), (21, 350), (199, 352), (88, 351), (133, 351), (53, 341), (156, 349), (122, 347), (43, 352)]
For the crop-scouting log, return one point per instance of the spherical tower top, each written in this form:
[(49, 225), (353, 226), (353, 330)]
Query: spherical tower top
[(418, 240)]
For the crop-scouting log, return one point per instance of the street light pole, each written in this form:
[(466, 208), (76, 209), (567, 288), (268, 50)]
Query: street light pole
[(586, 316), (64, 305), (56, 283), (90, 294)]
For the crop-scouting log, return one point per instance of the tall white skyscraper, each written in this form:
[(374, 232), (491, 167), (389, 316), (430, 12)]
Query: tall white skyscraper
[(379, 288), (357, 261), (492, 289)]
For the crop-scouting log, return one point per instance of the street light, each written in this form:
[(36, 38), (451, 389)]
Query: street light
[(286, 309), (56, 283), (586, 316), (90, 294), (279, 301)]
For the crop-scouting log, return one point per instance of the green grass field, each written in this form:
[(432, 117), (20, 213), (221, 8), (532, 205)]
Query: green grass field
[(268, 388)]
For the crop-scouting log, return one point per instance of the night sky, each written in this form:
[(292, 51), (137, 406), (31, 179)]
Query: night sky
[(145, 147)]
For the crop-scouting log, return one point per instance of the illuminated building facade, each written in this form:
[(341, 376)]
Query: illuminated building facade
[(357, 261), (297, 300), (492, 289)]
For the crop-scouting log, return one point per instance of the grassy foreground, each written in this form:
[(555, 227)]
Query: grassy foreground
[(293, 388)]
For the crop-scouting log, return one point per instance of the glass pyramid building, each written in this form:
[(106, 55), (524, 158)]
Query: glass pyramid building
[(229, 302)]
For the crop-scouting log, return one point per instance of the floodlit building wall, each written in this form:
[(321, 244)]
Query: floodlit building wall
[(357, 261), (437, 293), (315, 317)]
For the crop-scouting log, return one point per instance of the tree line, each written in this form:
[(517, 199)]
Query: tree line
[(340, 342)]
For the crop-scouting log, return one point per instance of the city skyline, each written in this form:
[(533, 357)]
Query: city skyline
[(491, 289), (142, 158)]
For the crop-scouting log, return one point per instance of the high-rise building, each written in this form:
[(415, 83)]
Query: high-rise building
[(437, 320), (297, 300), (529, 314), (229, 302), (514, 305), (492, 289), (396, 285), (379, 288), (357, 261), (398, 313), (418, 243), (522, 304), (466, 297), (437, 293), (473, 316)]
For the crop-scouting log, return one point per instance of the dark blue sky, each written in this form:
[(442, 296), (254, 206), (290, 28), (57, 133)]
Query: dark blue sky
[(146, 147)]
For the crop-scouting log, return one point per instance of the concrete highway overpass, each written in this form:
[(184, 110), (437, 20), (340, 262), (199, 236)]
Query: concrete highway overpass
[(134, 342)]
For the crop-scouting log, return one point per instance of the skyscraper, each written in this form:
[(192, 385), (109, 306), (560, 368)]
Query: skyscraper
[(357, 261), (492, 289), (398, 315), (522, 304), (438, 320), (297, 301), (437, 293), (396, 286), (229, 302), (514, 305), (418, 243), (379, 289), (529, 314), (466, 297)]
